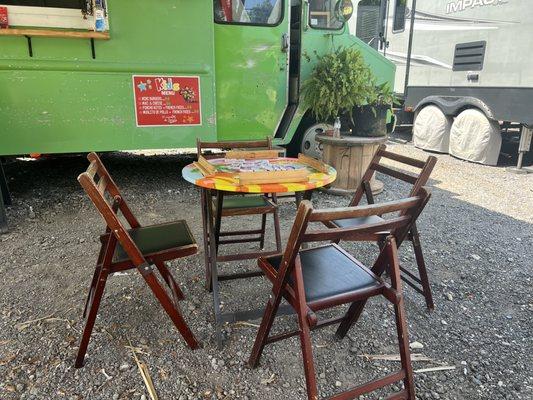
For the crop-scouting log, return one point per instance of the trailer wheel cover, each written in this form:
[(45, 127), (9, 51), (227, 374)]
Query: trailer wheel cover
[(475, 138), (431, 129)]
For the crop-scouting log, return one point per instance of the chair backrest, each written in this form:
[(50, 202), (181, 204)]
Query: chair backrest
[(407, 211), (416, 180), (105, 195), (227, 145)]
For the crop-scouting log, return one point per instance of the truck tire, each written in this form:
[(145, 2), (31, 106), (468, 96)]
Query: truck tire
[(475, 138), (304, 140), (431, 129)]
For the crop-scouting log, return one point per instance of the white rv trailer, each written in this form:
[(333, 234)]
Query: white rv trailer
[(464, 67)]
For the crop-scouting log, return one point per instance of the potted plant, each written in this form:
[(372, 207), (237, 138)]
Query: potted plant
[(340, 81), (342, 86), (371, 118)]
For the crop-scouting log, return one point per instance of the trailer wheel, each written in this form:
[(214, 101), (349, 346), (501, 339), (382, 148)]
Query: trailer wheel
[(475, 138), (431, 129), (305, 142)]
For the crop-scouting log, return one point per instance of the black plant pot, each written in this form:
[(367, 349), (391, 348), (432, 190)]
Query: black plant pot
[(370, 121)]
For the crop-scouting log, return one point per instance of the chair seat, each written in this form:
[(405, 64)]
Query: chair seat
[(328, 272), (234, 202), (352, 222), (157, 239)]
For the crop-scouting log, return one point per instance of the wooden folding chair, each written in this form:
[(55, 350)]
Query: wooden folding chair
[(318, 278), (421, 282), (233, 205), (139, 247)]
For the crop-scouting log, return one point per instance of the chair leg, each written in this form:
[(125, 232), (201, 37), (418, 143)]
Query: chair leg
[(307, 355), (96, 274), (356, 308), (352, 316), (422, 271), (207, 259), (216, 303), (277, 231), (211, 262), (91, 317), (305, 334), (263, 229), (218, 217), (405, 356), (172, 311), (264, 330), (169, 279)]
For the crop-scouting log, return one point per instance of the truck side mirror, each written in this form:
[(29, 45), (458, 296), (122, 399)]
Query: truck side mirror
[(344, 10)]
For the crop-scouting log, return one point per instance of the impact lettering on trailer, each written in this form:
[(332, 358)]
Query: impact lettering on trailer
[(462, 5)]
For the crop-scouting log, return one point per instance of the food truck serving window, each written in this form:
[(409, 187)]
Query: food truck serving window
[(248, 12), (65, 14), (322, 14), (76, 4)]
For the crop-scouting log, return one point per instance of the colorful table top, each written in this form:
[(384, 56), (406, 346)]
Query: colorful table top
[(229, 168)]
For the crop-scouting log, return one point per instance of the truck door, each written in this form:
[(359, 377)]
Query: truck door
[(251, 61)]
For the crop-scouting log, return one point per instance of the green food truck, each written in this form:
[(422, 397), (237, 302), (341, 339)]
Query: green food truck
[(106, 75)]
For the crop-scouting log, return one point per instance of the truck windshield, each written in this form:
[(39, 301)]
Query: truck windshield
[(322, 14), (249, 12)]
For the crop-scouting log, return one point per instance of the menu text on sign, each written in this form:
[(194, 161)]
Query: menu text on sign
[(167, 100)]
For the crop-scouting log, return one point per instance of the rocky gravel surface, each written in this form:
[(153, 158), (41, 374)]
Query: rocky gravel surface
[(477, 235)]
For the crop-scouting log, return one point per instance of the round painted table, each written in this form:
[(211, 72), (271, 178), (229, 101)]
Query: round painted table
[(225, 180)]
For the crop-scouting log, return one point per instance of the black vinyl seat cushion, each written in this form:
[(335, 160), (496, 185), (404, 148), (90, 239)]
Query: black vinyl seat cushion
[(328, 272), (351, 222), (233, 202), (157, 238)]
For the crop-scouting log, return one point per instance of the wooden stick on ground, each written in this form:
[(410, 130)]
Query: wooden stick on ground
[(434, 369), (145, 374), (394, 357), (23, 325), (245, 324)]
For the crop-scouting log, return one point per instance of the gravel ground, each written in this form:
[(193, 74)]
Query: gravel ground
[(477, 234)]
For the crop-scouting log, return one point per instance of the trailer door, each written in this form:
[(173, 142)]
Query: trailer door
[(251, 60)]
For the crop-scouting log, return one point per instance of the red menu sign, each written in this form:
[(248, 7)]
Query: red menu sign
[(4, 23), (167, 100)]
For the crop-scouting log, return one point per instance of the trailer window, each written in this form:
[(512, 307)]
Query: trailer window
[(322, 14), (399, 16), (248, 12)]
